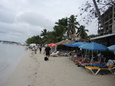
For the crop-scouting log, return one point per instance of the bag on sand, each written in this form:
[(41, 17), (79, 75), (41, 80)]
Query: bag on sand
[(45, 58)]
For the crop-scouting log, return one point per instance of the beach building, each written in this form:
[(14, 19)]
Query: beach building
[(106, 35)]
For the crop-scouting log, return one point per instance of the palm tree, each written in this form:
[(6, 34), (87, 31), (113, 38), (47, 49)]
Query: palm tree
[(58, 33), (82, 31), (62, 24), (44, 32), (72, 25)]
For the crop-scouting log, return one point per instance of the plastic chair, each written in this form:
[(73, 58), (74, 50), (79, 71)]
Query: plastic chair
[(109, 66), (55, 53)]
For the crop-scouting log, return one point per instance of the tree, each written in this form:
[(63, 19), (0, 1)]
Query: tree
[(44, 32), (90, 12), (45, 38), (82, 31), (72, 25), (62, 23), (34, 39), (58, 33), (68, 26)]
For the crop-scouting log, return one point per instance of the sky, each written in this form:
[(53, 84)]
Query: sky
[(21, 19)]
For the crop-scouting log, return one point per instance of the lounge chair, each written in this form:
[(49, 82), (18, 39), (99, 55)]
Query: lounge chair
[(109, 66), (55, 53)]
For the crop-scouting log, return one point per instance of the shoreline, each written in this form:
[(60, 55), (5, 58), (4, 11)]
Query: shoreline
[(32, 70), (9, 60)]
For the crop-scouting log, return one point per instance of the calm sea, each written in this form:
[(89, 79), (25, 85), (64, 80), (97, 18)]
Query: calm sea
[(10, 55)]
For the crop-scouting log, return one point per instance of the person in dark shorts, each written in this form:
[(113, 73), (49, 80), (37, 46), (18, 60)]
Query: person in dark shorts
[(47, 51)]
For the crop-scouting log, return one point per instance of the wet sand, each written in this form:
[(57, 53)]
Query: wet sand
[(58, 71)]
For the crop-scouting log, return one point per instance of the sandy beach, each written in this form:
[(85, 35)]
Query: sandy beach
[(58, 71)]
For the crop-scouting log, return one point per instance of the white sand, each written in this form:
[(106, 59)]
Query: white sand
[(58, 71)]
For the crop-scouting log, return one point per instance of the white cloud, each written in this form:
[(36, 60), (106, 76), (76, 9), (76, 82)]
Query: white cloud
[(33, 18), (21, 19)]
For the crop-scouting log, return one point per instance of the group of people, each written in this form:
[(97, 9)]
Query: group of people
[(47, 50), (35, 48), (99, 59)]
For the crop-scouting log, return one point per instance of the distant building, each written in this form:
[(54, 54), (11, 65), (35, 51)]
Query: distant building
[(106, 35)]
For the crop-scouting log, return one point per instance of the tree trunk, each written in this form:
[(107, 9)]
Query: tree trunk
[(99, 16)]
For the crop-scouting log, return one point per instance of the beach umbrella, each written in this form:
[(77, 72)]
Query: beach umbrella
[(78, 44), (112, 47), (69, 44), (52, 45), (93, 46), (75, 44)]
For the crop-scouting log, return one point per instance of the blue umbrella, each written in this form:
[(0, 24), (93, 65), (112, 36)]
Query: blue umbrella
[(78, 44), (75, 44), (93, 46), (69, 44), (112, 47)]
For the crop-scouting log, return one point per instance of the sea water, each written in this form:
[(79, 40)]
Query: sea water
[(10, 55)]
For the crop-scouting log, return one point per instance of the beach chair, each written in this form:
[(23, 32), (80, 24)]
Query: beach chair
[(55, 53), (95, 69)]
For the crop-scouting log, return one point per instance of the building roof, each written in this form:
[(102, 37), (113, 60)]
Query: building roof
[(104, 36)]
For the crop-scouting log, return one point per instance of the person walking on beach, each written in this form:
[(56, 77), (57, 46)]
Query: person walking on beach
[(40, 48), (35, 49), (47, 51)]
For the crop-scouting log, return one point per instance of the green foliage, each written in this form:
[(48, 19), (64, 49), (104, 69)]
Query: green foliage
[(62, 30), (65, 27), (44, 32), (82, 31), (72, 24), (34, 39)]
